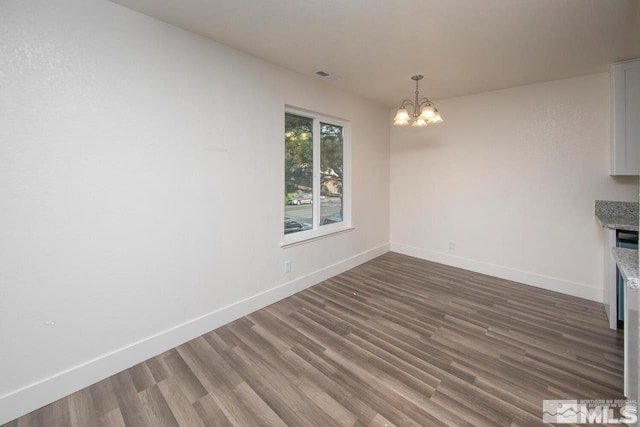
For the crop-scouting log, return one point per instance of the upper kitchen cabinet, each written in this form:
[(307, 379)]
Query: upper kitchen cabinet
[(625, 138)]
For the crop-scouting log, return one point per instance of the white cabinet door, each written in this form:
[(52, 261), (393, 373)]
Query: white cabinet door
[(625, 138)]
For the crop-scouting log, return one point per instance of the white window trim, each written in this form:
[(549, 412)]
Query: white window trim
[(320, 237), (318, 231)]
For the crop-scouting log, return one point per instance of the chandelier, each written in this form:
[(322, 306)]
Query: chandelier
[(424, 111)]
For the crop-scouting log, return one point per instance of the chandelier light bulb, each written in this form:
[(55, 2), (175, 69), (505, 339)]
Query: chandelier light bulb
[(419, 123), (436, 118), (402, 115), (427, 112)]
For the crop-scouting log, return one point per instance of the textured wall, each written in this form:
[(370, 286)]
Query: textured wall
[(141, 179), (510, 178)]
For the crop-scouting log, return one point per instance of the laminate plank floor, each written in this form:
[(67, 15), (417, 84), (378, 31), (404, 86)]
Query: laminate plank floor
[(396, 341)]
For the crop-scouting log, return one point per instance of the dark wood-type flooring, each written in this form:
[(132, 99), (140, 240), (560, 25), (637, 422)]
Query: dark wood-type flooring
[(395, 341)]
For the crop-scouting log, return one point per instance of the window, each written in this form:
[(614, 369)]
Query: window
[(316, 176)]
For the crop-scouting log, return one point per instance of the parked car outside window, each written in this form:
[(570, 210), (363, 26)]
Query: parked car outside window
[(293, 226), (302, 199)]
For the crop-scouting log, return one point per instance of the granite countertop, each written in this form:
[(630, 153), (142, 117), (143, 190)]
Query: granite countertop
[(617, 215), (627, 262)]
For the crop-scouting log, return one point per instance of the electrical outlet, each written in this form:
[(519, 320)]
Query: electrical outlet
[(452, 246), (287, 266)]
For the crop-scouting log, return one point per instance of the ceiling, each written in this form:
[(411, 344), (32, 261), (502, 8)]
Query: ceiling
[(460, 46)]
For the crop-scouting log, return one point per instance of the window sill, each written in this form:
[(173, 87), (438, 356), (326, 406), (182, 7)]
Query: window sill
[(310, 239)]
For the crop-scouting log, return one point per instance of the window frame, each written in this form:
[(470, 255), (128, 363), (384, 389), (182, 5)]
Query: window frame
[(319, 231)]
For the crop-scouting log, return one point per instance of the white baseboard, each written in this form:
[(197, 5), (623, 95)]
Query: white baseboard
[(29, 398), (528, 278)]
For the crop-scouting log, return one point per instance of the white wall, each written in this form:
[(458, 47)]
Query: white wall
[(511, 178), (141, 179)]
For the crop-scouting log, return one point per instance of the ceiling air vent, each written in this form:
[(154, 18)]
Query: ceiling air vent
[(326, 75)]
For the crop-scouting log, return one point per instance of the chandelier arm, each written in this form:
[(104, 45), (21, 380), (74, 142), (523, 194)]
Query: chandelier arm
[(406, 102)]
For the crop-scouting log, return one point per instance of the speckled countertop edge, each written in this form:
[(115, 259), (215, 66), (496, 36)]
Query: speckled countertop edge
[(618, 223), (627, 262), (610, 207), (617, 215)]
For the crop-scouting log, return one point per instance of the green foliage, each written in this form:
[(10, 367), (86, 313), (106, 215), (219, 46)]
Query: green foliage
[(289, 196), (331, 156), (298, 138)]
